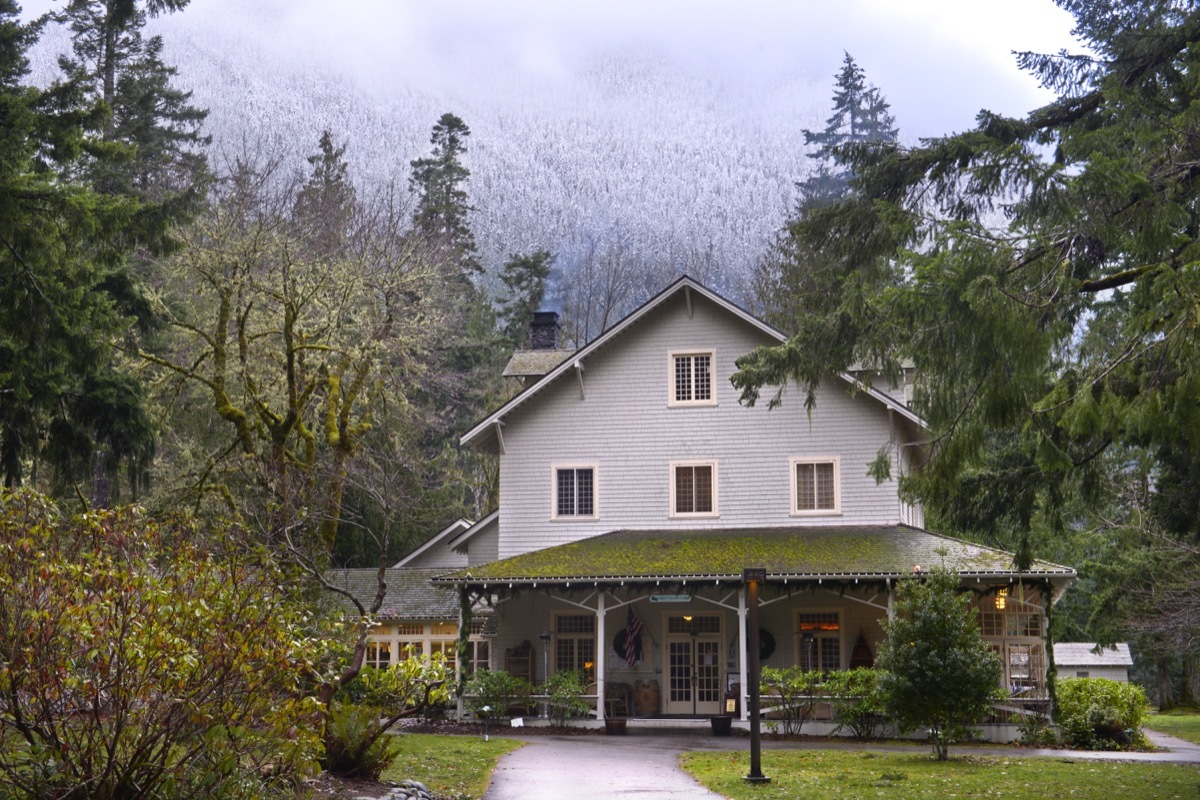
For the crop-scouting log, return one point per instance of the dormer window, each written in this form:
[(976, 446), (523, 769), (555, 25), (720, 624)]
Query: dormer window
[(815, 486), (691, 379)]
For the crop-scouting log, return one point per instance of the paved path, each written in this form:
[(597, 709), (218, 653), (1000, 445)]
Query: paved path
[(645, 764)]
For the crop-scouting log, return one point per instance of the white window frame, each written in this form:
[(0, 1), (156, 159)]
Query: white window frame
[(672, 402), (589, 637), (799, 636), (796, 461), (716, 509), (595, 468)]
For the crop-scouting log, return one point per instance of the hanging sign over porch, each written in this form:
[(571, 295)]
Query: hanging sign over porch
[(670, 598)]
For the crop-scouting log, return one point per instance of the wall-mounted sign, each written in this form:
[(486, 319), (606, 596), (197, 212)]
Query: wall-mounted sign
[(670, 598)]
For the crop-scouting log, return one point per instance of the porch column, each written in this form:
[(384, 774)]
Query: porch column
[(742, 652), (600, 652), (460, 706), (891, 600)]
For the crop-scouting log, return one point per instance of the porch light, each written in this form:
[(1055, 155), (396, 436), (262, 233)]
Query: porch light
[(1001, 599)]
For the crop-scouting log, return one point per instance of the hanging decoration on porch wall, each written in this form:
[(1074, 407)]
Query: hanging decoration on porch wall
[(861, 656), (628, 643), (766, 644)]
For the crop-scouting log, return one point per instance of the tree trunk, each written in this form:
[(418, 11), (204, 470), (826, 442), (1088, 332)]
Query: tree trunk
[(1190, 694), (1166, 690)]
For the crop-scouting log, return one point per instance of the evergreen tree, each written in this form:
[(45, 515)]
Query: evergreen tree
[(938, 672), (525, 278), (791, 273), (64, 302), (1040, 273), (442, 201), (161, 159)]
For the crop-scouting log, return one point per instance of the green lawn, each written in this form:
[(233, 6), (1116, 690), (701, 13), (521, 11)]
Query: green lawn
[(455, 766), (1181, 723), (824, 775)]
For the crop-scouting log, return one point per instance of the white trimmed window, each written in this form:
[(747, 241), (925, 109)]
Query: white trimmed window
[(819, 640), (816, 486), (574, 490), (691, 379), (694, 489), (575, 644)]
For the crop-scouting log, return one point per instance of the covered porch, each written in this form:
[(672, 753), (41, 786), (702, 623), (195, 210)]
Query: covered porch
[(657, 620)]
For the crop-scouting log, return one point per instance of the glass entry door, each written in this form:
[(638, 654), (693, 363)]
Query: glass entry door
[(693, 670)]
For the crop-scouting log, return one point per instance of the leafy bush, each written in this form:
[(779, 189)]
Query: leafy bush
[(858, 701), (797, 691), (353, 744), (368, 706), (938, 671), (139, 666), (492, 693), (1099, 714), (566, 690), (1036, 729)]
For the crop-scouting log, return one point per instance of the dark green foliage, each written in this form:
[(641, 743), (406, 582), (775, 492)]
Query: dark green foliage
[(1099, 714), (353, 746), (494, 693), (442, 202), (566, 690), (794, 692), (858, 701), (938, 672), (524, 276)]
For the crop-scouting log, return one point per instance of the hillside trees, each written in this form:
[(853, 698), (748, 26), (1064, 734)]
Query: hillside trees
[(65, 300), (442, 202), (524, 277), (1040, 273)]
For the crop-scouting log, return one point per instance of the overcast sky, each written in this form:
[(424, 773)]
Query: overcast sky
[(937, 61)]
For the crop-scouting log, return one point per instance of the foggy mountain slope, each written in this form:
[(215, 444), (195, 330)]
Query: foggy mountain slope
[(623, 150)]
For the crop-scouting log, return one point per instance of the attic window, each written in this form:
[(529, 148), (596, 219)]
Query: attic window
[(691, 379), (574, 491), (815, 486), (694, 489)]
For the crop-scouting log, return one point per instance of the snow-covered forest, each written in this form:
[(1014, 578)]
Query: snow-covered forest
[(634, 156)]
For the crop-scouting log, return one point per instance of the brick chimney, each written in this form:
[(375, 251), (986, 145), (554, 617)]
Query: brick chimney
[(543, 332)]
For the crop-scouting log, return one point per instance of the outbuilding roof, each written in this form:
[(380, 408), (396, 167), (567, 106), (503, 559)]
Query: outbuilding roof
[(798, 552), (1081, 654)]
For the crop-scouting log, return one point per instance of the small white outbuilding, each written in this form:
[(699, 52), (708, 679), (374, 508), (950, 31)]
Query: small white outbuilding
[(1082, 660)]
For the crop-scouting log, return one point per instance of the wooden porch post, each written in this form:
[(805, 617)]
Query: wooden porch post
[(600, 651), (742, 685)]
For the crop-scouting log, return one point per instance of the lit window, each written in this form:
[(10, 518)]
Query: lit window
[(575, 644), (691, 377), (574, 491), (815, 488), (819, 641), (694, 489)]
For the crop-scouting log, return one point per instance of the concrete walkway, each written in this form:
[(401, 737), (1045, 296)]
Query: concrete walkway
[(645, 764)]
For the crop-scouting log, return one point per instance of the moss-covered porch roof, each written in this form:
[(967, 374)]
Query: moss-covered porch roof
[(801, 553)]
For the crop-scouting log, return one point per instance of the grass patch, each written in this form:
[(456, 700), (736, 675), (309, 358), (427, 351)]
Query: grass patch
[(824, 775), (454, 766), (1184, 723)]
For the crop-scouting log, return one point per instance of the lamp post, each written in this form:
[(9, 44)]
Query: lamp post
[(753, 578)]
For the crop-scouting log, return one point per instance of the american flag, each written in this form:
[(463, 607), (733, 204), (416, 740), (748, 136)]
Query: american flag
[(633, 638)]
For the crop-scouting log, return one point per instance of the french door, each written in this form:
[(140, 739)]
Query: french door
[(693, 671)]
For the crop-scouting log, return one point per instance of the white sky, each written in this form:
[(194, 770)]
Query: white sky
[(937, 61)]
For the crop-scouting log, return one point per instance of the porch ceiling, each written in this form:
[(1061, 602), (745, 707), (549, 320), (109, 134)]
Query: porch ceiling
[(803, 553)]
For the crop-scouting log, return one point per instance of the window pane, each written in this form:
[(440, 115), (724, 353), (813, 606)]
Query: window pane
[(806, 498), (703, 481), (703, 378), (583, 486), (683, 378), (566, 492), (684, 491), (825, 486)]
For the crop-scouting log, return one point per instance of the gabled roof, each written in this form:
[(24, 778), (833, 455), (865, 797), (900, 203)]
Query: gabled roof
[(792, 553), (410, 596), (442, 537), (1080, 654), (480, 432), (459, 542)]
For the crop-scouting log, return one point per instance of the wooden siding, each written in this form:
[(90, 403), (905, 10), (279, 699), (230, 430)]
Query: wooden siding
[(621, 422)]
